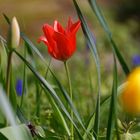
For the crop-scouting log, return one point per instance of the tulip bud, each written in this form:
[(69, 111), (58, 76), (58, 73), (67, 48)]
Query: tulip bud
[(15, 33)]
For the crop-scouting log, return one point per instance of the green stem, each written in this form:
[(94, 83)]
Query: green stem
[(70, 92), (8, 74)]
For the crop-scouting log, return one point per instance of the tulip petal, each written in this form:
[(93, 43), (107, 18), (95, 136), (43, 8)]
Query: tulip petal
[(58, 27), (44, 39), (48, 32), (74, 28), (69, 23), (63, 45)]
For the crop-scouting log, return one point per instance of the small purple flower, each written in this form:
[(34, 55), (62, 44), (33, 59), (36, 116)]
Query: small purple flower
[(136, 60), (19, 87)]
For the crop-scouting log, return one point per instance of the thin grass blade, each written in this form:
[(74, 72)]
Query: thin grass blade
[(113, 106), (66, 96), (92, 46), (103, 22), (50, 90), (32, 46)]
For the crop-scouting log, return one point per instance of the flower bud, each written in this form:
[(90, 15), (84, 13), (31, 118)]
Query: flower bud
[(15, 33)]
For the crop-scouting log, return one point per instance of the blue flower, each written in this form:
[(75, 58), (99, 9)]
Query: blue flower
[(19, 87), (136, 60)]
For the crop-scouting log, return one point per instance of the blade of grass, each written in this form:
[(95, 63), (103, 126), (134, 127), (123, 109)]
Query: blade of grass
[(50, 90), (6, 18), (103, 102), (66, 96), (21, 116), (24, 79), (103, 22), (30, 45), (113, 105), (92, 46)]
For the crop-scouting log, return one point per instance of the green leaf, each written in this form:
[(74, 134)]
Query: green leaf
[(92, 46), (24, 80), (89, 126), (113, 105), (103, 103), (2, 137), (30, 46), (9, 132), (50, 90), (103, 22), (65, 94), (40, 131), (21, 116)]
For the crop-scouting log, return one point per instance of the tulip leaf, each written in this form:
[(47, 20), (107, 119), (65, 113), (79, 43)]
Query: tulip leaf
[(92, 46), (103, 22), (47, 87), (29, 45), (21, 116), (113, 105), (65, 94)]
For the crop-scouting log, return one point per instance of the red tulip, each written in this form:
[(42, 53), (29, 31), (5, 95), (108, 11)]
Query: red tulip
[(61, 42)]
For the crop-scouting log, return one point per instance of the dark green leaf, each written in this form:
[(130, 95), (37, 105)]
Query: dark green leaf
[(6, 18), (34, 48), (92, 46), (51, 91), (21, 116), (103, 22), (2, 137), (113, 105), (66, 96)]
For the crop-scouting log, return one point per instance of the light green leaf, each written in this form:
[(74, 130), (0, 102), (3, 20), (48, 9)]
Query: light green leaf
[(8, 132), (40, 131)]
